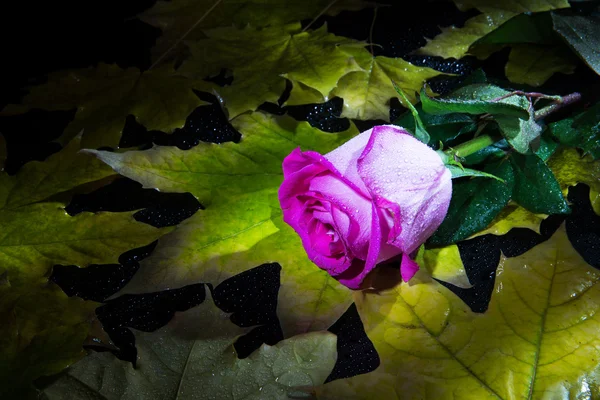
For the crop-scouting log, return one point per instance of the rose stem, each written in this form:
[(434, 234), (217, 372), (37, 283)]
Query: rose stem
[(473, 145), (557, 104)]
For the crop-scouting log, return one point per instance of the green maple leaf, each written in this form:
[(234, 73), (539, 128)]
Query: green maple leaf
[(262, 59), (242, 226), (38, 233), (189, 18), (105, 95), (367, 91), (538, 338), (454, 42), (193, 358), (42, 330), (42, 333)]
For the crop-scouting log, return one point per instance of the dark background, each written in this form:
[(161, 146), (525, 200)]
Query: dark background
[(39, 38)]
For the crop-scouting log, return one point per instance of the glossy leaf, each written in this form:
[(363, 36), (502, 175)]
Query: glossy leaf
[(193, 358), (367, 91), (242, 225), (582, 131), (262, 59), (477, 99), (441, 128), (535, 187), (522, 134), (454, 42), (475, 203), (538, 338), (188, 19), (105, 95), (582, 33)]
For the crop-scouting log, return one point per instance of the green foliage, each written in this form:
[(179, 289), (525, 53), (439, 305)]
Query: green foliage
[(188, 19), (541, 321), (43, 330), (477, 99), (262, 59), (105, 95), (537, 339), (193, 358), (520, 133), (581, 131), (367, 91), (42, 333), (454, 42), (535, 64), (536, 50), (582, 34), (536, 188), (474, 204), (441, 128)]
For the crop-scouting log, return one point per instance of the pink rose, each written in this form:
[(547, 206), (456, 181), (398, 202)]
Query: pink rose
[(379, 195)]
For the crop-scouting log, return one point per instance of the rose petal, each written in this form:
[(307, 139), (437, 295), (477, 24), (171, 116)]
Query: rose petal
[(409, 179), (353, 278), (345, 157), (408, 267), (357, 232)]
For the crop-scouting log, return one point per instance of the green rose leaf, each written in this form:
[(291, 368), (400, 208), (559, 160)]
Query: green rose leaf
[(477, 99), (522, 134), (581, 131), (582, 34), (475, 202), (441, 128), (535, 187), (193, 358)]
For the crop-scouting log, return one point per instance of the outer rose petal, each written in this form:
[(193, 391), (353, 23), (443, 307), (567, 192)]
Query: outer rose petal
[(302, 170), (354, 276), (345, 159), (400, 170)]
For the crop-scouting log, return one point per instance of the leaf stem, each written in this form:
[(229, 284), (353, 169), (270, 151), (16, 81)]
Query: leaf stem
[(472, 146), (371, 29), (323, 11), (163, 55), (557, 104)]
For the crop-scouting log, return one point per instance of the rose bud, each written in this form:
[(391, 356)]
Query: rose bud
[(379, 195)]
